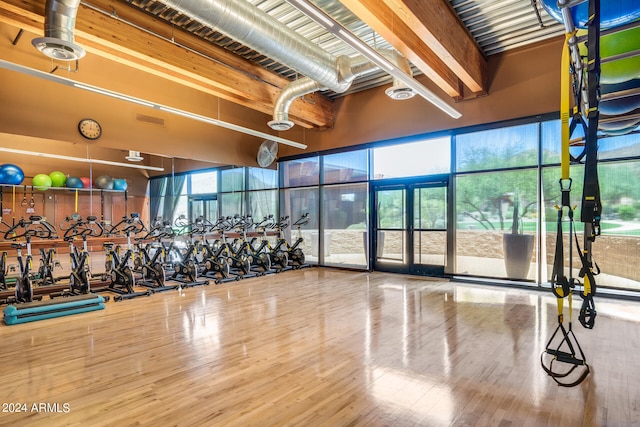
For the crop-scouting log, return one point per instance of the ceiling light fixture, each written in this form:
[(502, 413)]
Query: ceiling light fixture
[(102, 91), (79, 159), (335, 28)]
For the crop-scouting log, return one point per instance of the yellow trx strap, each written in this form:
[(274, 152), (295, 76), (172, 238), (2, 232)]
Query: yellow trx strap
[(565, 92)]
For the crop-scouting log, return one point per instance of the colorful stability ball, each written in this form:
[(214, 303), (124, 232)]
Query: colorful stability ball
[(41, 181), (86, 182), (620, 70), (58, 179), (11, 174), (104, 182), (622, 105), (120, 184), (619, 125), (613, 13), (74, 182)]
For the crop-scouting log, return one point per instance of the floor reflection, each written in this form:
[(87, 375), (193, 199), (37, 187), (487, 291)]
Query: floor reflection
[(325, 347)]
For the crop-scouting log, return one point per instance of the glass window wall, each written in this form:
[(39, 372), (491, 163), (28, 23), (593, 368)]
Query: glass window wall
[(345, 224)]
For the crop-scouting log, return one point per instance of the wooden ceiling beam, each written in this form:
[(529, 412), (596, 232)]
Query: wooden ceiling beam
[(383, 19), (436, 24), (154, 47)]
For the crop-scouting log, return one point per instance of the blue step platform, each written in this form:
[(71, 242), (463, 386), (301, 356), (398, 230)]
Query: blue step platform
[(40, 310)]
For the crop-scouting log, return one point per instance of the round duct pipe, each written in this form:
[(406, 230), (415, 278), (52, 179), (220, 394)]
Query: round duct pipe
[(59, 24)]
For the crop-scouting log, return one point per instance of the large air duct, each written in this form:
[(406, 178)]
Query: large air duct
[(244, 22), (59, 24), (357, 67), (349, 71)]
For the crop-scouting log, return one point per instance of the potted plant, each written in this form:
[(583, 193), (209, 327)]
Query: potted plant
[(518, 247)]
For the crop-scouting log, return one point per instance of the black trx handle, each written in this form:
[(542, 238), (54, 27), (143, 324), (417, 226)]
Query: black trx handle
[(587, 316), (588, 312), (565, 362), (557, 276), (576, 120)]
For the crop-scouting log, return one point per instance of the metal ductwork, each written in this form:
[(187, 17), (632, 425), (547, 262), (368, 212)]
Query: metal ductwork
[(398, 90), (59, 24), (357, 67), (349, 71), (246, 23)]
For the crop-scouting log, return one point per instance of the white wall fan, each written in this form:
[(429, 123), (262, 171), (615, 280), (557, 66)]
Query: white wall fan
[(267, 153)]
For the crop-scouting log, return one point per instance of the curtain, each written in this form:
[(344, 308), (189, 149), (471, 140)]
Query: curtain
[(157, 193), (173, 195)]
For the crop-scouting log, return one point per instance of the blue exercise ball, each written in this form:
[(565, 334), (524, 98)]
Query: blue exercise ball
[(613, 13), (620, 131), (74, 182), (11, 174), (618, 125), (120, 184), (623, 105), (104, 182)]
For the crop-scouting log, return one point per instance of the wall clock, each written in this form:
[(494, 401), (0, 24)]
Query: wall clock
[(90, 129)]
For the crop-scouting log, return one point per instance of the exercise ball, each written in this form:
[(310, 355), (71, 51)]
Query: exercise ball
[(623, 105), (620, 70), (58, 179), (613, 13), (620, 132), (618, 125), (104, 182), (86, 182), (11, 174), (41, 181), (120, 184), (74, 182)]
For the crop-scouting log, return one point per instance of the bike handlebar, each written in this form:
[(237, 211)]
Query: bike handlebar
[(36, 226)]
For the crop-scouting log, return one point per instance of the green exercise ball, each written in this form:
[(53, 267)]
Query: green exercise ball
[(58, 179), (42, 181), (621, 70)]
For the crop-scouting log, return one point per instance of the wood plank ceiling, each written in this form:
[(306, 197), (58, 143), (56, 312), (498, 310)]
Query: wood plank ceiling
[(432, 34)]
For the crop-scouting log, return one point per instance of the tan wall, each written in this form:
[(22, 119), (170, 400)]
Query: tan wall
[(39, 108)]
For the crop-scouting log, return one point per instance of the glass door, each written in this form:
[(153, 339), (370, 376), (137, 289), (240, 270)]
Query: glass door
[(206, 206), (390, 227), (410, 227), (429, 231)]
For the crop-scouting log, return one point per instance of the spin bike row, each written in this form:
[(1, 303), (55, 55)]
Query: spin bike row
[(161, 257)]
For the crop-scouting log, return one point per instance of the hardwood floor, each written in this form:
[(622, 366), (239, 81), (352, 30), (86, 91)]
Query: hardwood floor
[(319, 347)]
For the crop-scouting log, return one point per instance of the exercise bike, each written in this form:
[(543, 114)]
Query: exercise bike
[(153, 267), (239, 260), (47, 265), (216, 256), (80, 277), (34, 227), (295, 255), (260, 260), (122, 279), (3, 270), (185, 265)]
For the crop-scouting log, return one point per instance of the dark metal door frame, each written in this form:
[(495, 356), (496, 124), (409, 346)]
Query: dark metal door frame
[(409, 186)]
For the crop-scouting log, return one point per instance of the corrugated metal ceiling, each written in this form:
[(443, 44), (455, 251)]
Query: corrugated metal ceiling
[(499, 25), (496, 25)]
